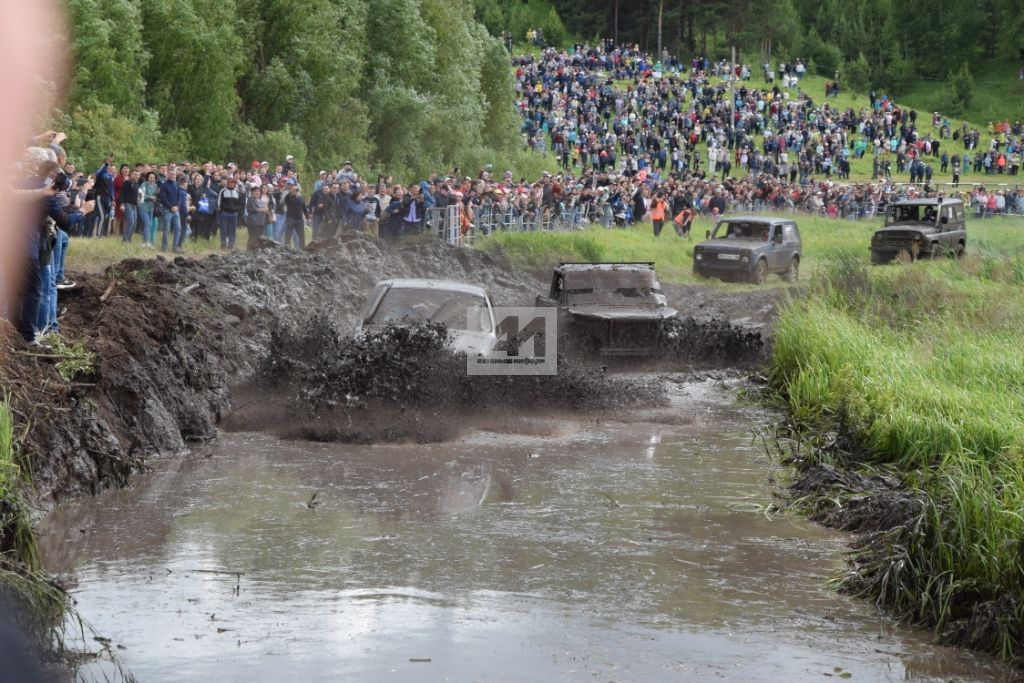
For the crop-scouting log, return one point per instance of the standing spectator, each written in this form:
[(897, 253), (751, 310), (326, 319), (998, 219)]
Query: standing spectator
[(280, 215), (295, 216), (123, 173), (412, 212), (170, 219), (260, 214), (325, 211), (129, 204), (391, 226), (229, 204), (204, 206), (658, 207), (104, 189), (147, 209)]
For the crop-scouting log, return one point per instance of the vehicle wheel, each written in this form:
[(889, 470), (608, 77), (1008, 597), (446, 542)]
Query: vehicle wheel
[(959, 251), (760, 270), (792, 273), (937, 251)]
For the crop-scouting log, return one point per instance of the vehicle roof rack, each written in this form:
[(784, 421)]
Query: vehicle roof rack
[(606, 263)]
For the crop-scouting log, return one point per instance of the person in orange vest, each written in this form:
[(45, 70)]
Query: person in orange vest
[(658, 207), (683, 222)]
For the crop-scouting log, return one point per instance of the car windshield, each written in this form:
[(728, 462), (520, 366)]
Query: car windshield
[(623, 287), (743, 230), (456, 310), (911, 213)]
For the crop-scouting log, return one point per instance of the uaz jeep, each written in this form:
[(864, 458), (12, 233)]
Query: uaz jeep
[(920, 228), (613, 309)]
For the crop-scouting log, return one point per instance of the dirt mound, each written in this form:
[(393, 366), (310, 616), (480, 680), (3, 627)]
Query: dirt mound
[(169, 338)]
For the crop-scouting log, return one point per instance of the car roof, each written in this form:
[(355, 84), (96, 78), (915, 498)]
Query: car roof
[(926, 202), (756, 219), (424, 283), (578, 267)]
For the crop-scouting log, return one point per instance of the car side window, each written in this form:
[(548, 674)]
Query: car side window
[(788, 233), (958, 211), (556, 286)]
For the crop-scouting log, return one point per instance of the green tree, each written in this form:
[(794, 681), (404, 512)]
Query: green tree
[(196, 58), (960, 90), (305, 73), (857, 73), (110, 60)]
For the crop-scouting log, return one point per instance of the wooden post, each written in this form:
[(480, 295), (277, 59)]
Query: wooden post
[(661, 11), (616, 22)]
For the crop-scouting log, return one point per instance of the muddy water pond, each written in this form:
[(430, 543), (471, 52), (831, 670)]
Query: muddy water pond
[(566, 550)]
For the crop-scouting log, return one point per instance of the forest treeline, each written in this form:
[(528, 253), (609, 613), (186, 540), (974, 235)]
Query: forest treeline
[(413, 86), (403, 85), (885, 43)]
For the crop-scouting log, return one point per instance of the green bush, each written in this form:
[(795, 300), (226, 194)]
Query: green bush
[(959, 90), (857, 73)]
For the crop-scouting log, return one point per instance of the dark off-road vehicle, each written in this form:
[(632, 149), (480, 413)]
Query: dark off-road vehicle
[(920, 228), (613, 309), (750, 247)]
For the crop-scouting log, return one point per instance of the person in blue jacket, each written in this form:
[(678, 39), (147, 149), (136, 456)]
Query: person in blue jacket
[(167, 200)]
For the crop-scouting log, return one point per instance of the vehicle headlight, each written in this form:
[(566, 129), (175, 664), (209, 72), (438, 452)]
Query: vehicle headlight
[(744, 259), (917, 238), (698, 256)]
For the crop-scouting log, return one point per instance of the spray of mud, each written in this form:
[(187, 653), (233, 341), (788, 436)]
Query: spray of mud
[(404, 383)]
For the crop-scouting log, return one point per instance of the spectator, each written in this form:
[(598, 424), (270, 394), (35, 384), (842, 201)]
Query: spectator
[(229, 204), (129, 203), (170, 220), (295, 216)]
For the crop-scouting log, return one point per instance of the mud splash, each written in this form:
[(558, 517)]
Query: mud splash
[(403, 383)]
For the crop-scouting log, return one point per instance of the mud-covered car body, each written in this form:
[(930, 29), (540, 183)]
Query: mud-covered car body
[(614, 309), (916, 228), (463, 308), (749, 248)]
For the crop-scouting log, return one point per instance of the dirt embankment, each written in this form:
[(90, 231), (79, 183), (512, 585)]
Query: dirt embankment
[(173, 338)]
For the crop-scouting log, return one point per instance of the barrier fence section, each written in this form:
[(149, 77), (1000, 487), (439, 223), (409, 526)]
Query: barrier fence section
[(453, 226)]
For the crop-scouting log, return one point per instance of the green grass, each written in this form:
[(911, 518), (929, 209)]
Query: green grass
[(922, 367), (824, 239), (998, 94), (93, 254)]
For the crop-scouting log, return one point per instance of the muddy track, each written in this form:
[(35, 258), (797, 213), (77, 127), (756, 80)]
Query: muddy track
[(172, 338)]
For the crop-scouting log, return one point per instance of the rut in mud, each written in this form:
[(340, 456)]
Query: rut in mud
[(172, 338)]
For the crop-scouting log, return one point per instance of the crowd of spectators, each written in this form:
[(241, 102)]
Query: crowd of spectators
[(605, 107), (679, 140)]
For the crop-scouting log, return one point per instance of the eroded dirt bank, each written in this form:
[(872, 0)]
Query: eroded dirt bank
[(171, 339)]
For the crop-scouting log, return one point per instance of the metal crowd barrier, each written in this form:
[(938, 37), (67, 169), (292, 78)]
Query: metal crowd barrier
[(446, 223)]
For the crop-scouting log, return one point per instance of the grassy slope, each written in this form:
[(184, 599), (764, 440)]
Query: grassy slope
[(998, 94), (824, 239), (922, 367)]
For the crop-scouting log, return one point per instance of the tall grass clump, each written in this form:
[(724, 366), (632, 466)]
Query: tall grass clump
[(921, 367), (26, 594)]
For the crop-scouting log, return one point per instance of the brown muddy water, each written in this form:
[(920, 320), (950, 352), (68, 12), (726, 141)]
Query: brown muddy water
[(570, 550)]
